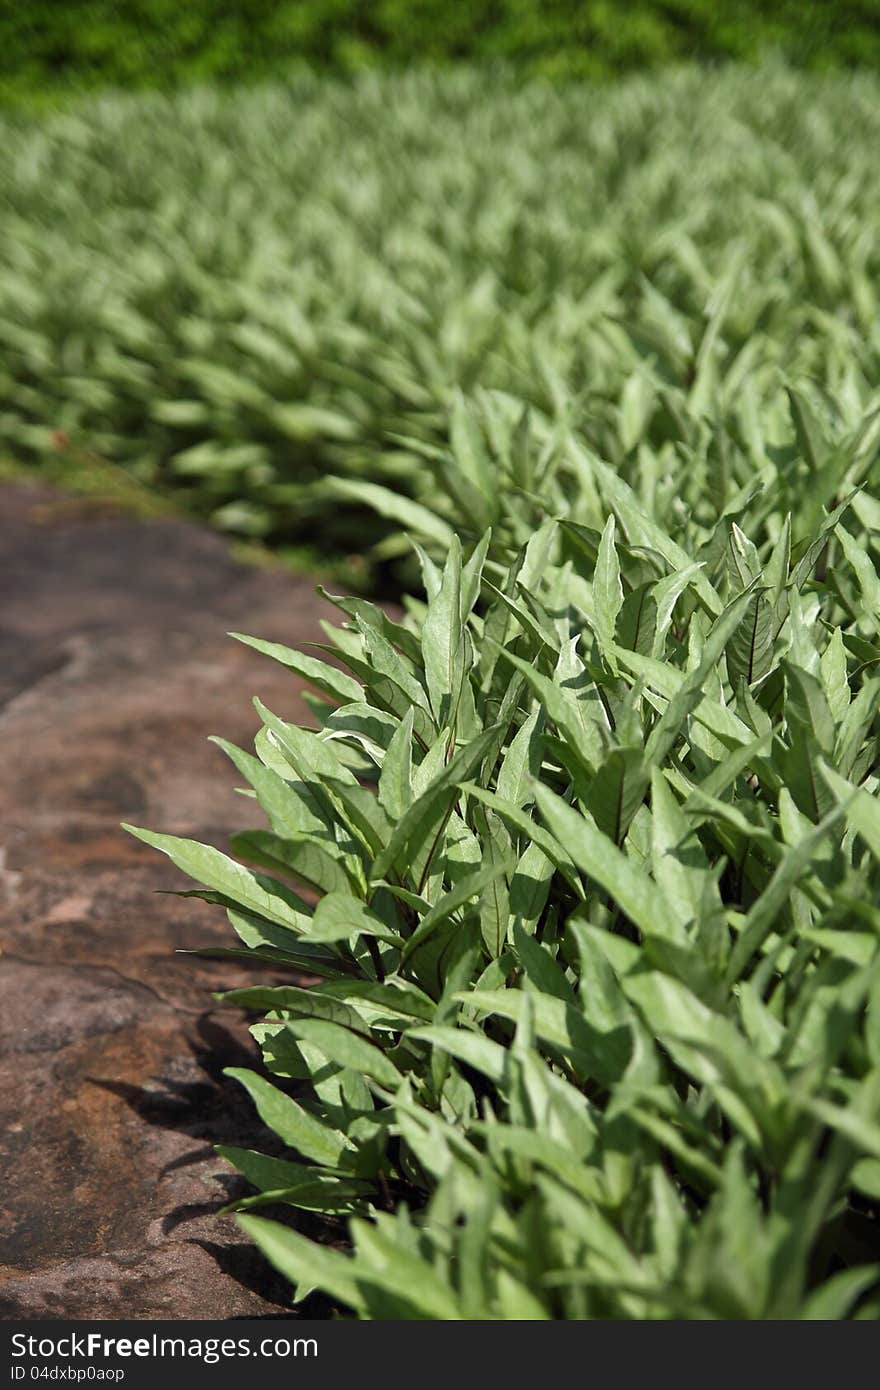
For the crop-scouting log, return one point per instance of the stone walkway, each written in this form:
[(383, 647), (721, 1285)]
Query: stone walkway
[(114, 668)]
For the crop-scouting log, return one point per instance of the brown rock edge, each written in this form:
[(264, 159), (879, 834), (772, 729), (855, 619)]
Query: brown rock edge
[(114, 668)]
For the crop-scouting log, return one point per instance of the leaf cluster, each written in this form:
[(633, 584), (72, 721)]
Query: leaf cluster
[(270, 303), (582, 860)]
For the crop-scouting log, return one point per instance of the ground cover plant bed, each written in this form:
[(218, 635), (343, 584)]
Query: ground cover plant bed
[(236, 296), (595, 839), (568, 884)]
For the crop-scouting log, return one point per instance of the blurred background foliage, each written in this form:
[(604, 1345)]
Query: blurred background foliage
[(251, 298), (50, 48), (237, 298)]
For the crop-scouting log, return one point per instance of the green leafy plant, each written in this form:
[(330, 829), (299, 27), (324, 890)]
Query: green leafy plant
[(192, 291), (582, 864)]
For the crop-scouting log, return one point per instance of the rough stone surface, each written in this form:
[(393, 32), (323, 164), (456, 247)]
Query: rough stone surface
[(114, 668)]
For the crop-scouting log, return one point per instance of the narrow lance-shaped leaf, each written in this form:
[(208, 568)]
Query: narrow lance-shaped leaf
[(328, 679), (641, 900), (443, 640), (607, 588), (263, 896)]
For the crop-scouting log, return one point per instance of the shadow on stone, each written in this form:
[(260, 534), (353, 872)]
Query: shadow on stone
[(214, 1109), (211, 1107), (246, 1266)]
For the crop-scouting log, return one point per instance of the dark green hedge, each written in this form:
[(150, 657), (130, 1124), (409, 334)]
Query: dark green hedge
[(53, 45)]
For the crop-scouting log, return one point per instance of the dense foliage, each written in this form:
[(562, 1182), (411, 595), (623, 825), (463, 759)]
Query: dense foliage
[(236, 296), (158, 43), (596, 1026)]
